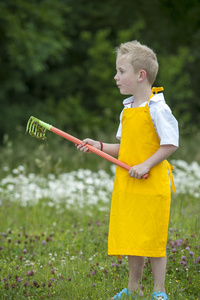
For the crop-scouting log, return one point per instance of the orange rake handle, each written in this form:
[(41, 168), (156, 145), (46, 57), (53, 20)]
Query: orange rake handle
[(93, 149)]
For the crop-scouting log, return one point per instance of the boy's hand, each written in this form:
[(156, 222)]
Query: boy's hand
[(91, 142), (138, 171)]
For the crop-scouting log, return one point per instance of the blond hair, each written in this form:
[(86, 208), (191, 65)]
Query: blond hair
[(141, 57)]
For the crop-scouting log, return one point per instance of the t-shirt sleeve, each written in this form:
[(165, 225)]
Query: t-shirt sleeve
[(119, 130), (166, 126)]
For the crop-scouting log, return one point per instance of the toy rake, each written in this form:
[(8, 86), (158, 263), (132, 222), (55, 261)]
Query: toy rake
[(38, 128)]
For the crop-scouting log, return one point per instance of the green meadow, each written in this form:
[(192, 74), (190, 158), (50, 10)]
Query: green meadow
[(54, 218)]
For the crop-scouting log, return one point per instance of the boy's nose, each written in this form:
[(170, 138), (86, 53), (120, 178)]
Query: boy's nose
[(115, 77)]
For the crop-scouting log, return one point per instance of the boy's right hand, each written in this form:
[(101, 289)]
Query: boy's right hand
[(91, 142)]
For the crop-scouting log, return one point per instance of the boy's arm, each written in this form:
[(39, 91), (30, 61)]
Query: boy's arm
[(111, 149), (161, 154)]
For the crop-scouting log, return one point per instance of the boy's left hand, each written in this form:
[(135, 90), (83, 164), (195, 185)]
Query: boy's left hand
[(138, 171), (161, 154)]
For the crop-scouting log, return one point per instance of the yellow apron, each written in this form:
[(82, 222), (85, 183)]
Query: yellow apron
[(140, 209)]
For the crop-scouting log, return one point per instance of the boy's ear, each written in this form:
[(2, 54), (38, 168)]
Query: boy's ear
[(142, 75)]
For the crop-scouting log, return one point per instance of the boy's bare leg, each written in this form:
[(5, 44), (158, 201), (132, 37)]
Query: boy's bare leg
[(158, 265), (136, 265)]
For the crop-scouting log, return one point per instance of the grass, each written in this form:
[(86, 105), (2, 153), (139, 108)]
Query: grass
[(54, 244), (60, 252)]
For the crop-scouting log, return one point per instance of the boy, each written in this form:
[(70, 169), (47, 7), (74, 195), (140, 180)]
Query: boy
[(148, 134)]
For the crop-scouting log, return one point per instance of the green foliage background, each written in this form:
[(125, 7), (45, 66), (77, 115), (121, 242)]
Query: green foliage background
[(57, 60)]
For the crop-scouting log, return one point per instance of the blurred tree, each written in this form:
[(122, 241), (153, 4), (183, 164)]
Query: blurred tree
[(181, 60), (32, 38), (178, 83), (57, 59)]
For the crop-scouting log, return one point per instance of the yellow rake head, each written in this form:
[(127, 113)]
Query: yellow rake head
[(37, 128)]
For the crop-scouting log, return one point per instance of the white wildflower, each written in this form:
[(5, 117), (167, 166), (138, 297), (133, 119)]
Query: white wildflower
[(77, 188)]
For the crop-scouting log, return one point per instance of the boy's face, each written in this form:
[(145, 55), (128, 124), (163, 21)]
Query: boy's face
[(126, 78)]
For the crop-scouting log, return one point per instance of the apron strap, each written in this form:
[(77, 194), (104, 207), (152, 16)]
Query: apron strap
[(170, 168), (154, 90)]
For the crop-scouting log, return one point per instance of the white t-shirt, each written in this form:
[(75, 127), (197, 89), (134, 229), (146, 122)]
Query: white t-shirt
[(165, 123)]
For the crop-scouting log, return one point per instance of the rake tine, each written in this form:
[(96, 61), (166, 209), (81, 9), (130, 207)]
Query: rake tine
[(35, 129), (32, 128), (28, 125), (43, 134), (39, 132), (31, 125)]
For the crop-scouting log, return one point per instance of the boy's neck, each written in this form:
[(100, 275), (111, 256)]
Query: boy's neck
[(141, 96)]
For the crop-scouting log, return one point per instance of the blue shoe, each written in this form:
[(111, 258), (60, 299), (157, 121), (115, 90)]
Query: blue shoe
[(123, 292), (159, 296)]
